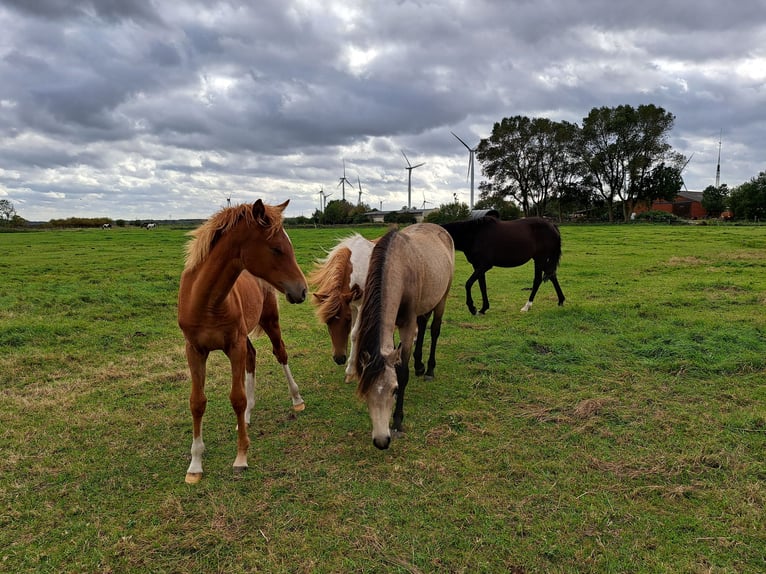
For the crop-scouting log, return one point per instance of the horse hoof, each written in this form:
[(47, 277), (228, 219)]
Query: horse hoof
[(238, 470), (428, 378), (193, 477), (299, 408), (419, 372)]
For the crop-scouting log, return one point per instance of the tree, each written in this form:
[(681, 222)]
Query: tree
[(714, 199), (528, 160), (7, 211), (338, 212), (748, 201), (621, 148), (449, 212)]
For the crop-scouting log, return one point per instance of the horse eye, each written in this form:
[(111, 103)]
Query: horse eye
[(276, 251), (395, 392)]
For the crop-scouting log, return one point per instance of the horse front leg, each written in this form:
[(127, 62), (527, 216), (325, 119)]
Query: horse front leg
[(535, 286), (417, 355), (406, 335), (468, 284), (197, 402), (238, 357), (484, 298)]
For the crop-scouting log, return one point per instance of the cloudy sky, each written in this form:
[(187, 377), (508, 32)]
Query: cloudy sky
[(150, 109)]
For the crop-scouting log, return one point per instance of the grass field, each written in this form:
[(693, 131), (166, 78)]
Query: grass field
[(623, 432)]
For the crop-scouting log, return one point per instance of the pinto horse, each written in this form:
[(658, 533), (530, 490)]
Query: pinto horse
[(488, 242), (340, 279), (234, 262), (409, 277)]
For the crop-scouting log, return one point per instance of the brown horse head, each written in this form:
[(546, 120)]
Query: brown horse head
[(269, 252), (252, 235), (333, 298)]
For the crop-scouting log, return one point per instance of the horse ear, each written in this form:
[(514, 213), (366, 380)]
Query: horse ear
[(356, 292), (282, 206), (394, 358), (320, 297), (258, 209)]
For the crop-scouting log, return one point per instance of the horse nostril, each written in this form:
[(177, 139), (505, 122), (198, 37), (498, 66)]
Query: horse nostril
[(382, 443), (339, 359)]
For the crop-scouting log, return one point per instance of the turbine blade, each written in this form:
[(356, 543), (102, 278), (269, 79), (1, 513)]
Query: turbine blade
[(461, 141), (405, 158), (414, 166)]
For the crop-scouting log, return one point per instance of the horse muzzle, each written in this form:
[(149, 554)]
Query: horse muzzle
[(339, 359), (295, 294), (382, 442)]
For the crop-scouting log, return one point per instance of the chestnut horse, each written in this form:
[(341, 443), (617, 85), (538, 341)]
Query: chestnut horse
[(409, 277), (223, 297), (340, 279), (488, 242)]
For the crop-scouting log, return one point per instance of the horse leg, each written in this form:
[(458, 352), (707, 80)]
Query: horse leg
[(468, 284), (197, 402), (238, 356), (406, 335), (436, 328), (350, 372), (270, 324), (250, 381), (484, 298), (535, 286), (417, 355), (559, 292)]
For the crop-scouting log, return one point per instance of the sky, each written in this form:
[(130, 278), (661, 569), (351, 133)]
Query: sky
[(143, 109)]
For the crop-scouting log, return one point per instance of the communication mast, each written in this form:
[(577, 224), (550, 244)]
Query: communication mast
[(718, 167)]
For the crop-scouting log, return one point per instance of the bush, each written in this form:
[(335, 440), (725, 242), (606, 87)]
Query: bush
[(657, 216)]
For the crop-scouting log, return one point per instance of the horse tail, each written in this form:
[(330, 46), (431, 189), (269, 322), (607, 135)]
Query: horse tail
[(369, 361), (551, 262)]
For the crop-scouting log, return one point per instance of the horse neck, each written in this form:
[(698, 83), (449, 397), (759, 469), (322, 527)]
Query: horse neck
[(360, 261), (214, 277)]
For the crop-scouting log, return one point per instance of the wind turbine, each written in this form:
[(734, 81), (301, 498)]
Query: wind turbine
[(409, 169), (471, 151), (681, 171), (321, 199), (344, 180), (358, 181), (425, 201)]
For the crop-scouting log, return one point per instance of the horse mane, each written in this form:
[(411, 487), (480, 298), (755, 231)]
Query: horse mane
[(370, 363), (207, 235), (330, 275)]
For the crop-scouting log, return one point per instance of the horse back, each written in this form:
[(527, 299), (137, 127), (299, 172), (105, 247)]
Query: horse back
[(429, 257)]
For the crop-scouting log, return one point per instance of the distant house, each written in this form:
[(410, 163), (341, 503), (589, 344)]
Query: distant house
[(687, 204), (377, 216)]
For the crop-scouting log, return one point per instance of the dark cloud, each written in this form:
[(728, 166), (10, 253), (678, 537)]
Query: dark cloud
[(135, 107)]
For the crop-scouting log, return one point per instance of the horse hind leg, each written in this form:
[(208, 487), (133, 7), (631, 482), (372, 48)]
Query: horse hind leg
[(556, 286), (535, 286), (250, 381), (436, 328), (417, 355), (270, 325)]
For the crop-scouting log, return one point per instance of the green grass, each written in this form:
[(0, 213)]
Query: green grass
[(623, 432)]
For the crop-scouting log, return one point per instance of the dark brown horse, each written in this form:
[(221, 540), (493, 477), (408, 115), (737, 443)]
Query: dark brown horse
[(488, 242), (409, 277), (223, 297)]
